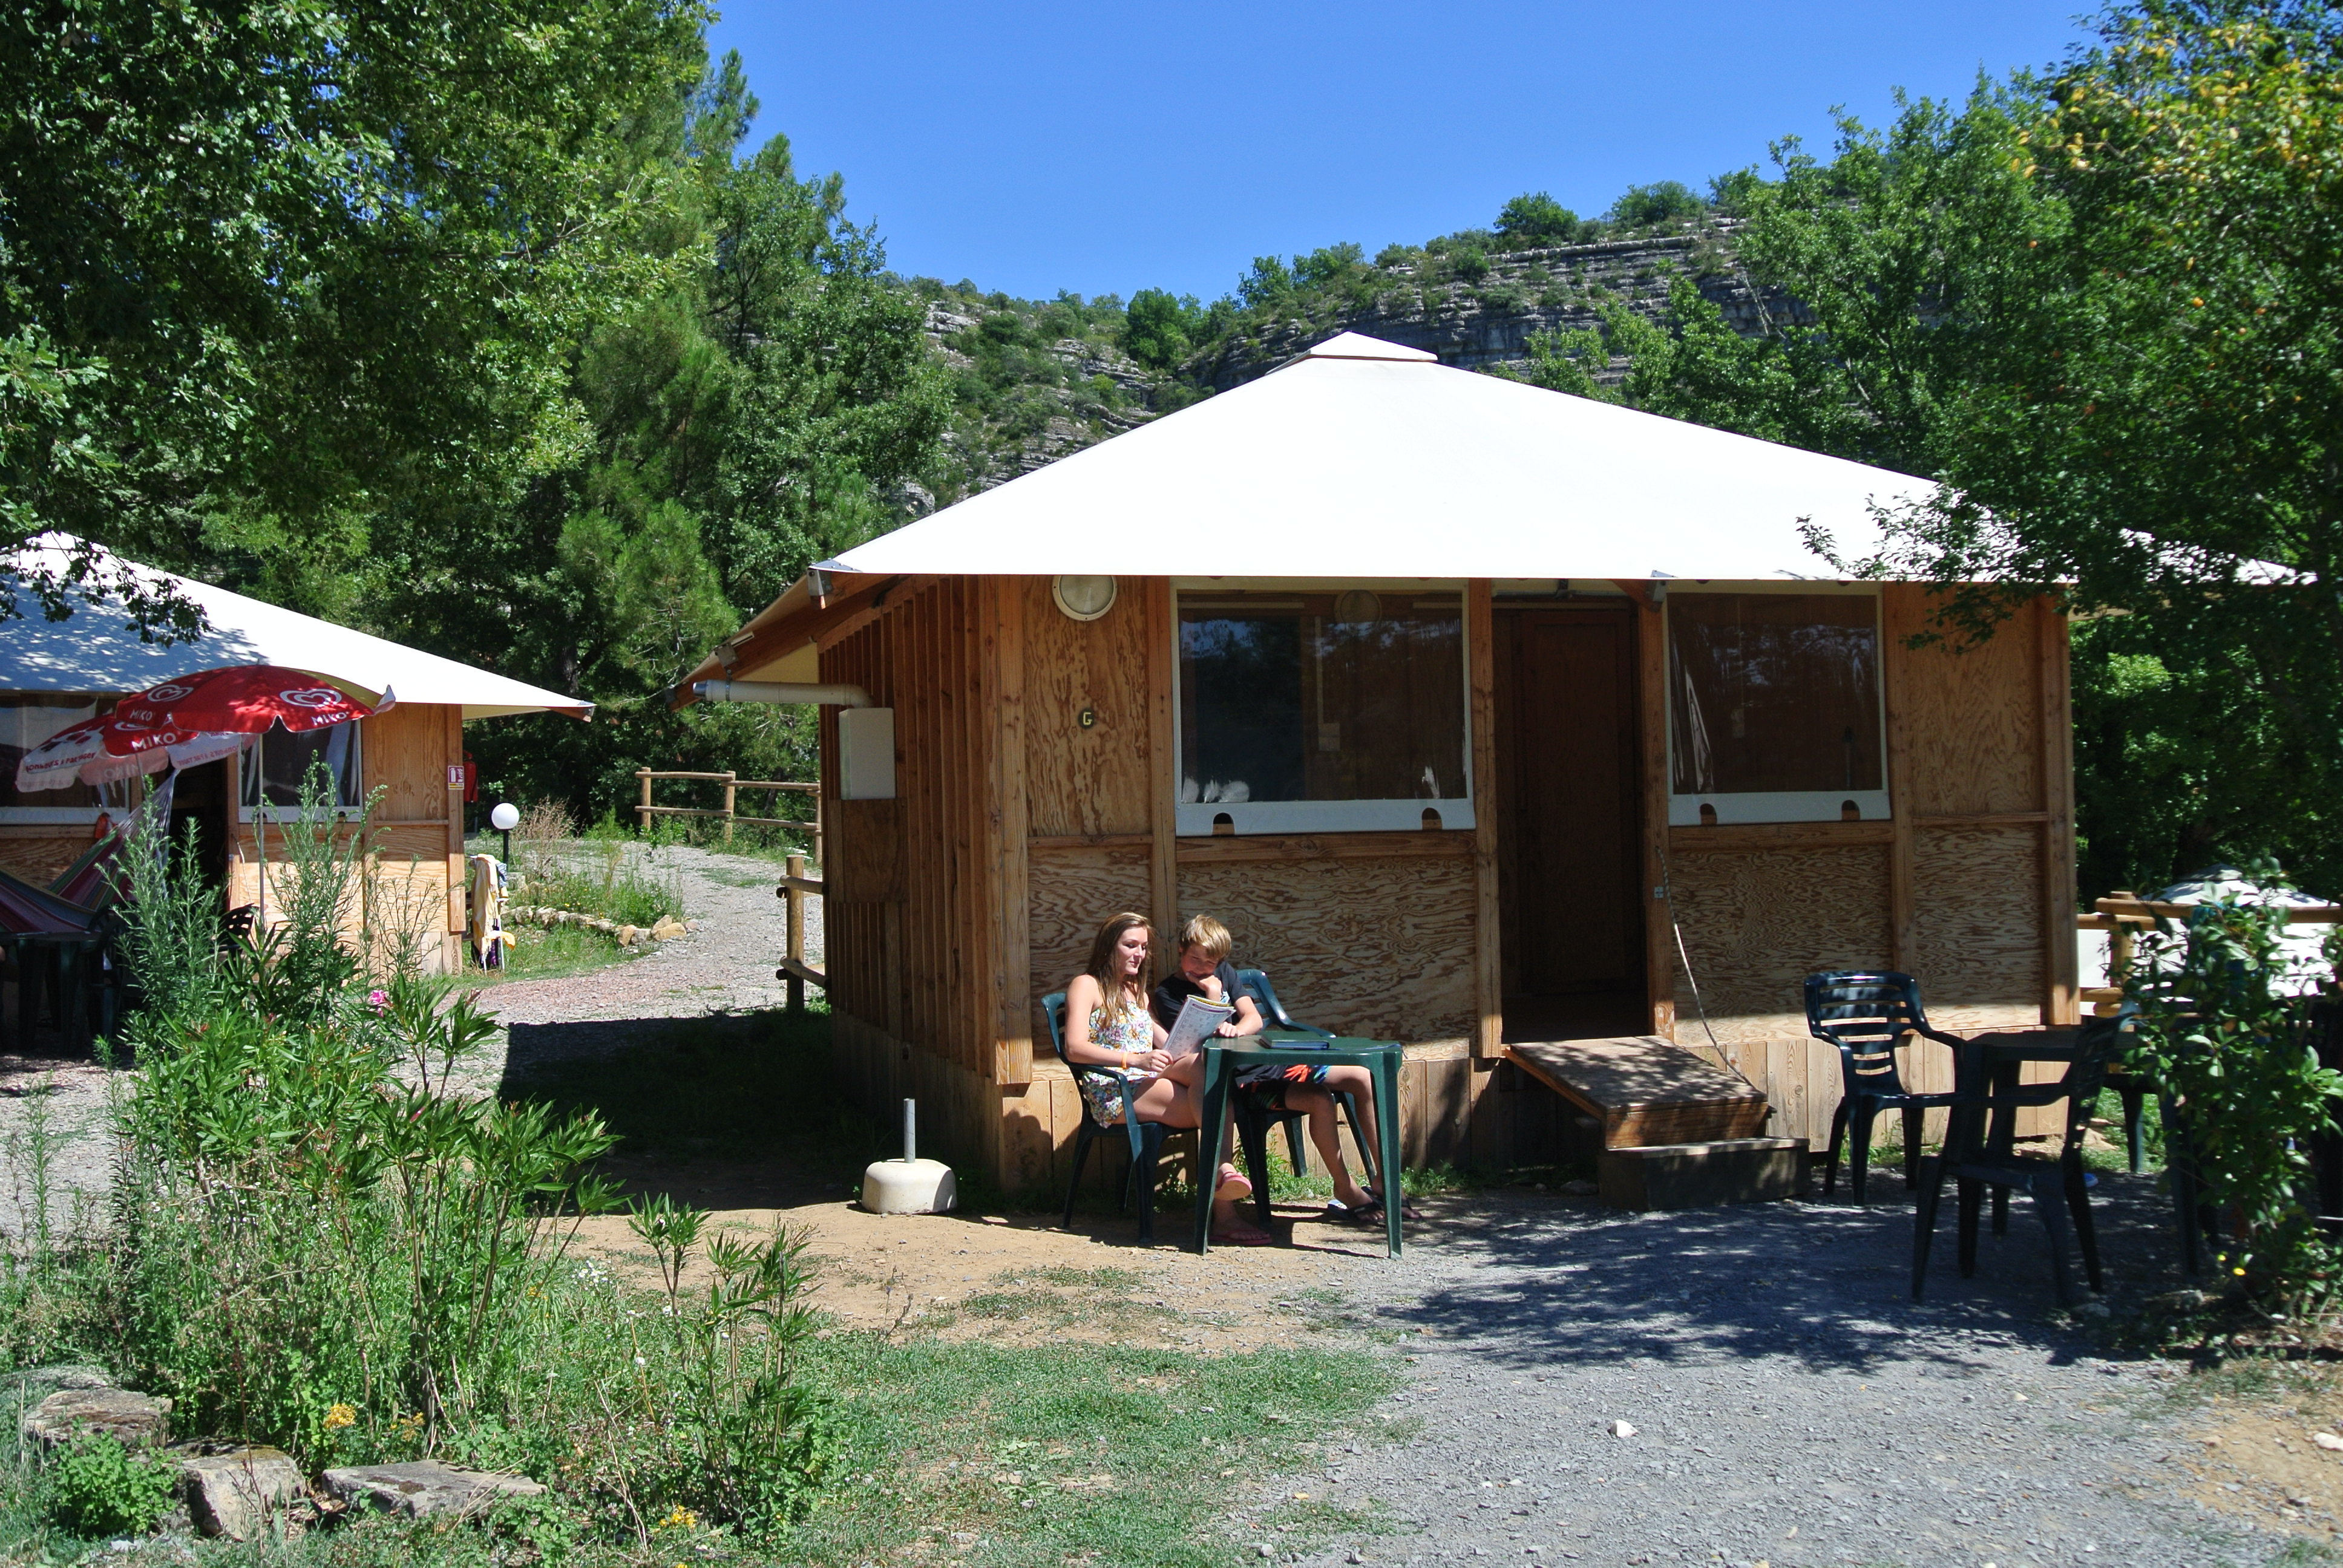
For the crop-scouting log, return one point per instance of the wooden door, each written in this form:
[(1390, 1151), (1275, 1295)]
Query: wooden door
[(1569, 873)]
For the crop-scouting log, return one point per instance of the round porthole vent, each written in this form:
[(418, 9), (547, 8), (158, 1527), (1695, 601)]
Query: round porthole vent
[(1082, 598)]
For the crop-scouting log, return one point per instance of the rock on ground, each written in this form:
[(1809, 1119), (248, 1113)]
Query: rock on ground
[(235, 1494), (135, 1420), (426, 1487)]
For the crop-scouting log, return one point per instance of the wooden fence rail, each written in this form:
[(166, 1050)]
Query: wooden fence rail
[(733, 784), (795, 888), (2124, 915)]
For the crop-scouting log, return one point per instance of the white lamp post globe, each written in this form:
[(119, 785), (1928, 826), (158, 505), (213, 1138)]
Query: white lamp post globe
[(505, 818)]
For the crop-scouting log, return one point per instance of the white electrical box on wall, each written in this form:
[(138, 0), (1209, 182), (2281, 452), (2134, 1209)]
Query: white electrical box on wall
[(866, 754)]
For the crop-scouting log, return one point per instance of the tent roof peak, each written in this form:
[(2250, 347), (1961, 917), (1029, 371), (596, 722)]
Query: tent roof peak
[(1359, 346)]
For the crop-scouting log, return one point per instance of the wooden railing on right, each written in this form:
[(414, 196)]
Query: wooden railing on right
[(2123, 915), (796, 887), (733, 784)]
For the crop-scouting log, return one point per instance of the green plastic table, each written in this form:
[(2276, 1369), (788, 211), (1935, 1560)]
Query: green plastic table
[(1380, 1058)]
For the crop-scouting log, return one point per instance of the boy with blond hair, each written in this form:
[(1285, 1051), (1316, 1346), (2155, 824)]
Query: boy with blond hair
[(1204, 970)]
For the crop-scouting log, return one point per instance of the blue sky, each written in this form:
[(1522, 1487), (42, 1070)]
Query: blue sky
[(1109, 147)]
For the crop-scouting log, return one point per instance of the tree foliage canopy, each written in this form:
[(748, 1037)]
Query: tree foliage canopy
[(2102, 306)]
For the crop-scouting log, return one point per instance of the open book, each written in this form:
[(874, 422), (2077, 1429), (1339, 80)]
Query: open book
[(1199, 1019)]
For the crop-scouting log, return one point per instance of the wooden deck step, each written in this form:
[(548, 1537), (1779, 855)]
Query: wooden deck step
[(1645, 1090)]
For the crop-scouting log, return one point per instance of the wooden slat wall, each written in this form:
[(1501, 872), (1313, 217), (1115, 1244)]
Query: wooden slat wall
[(1969, 886), (916, 907), (417, 833)]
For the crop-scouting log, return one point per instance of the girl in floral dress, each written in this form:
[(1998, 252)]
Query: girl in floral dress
[(1115, 1048)]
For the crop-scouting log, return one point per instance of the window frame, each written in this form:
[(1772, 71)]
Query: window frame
[(247, 763), (99, 702), (1762, 805), (1195, 820)]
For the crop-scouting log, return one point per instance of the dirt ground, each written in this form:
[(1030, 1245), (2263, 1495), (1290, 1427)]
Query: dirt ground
[(1018, 1279)]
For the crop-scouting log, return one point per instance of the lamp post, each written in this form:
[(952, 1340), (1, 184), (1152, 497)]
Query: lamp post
[(504, 820)]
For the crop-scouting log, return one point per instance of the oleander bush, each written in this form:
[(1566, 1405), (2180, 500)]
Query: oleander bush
[(321, 1238)]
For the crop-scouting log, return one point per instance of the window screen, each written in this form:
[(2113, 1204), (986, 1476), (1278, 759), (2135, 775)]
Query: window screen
[(283, 761), (1356, 695), (1773, 693)]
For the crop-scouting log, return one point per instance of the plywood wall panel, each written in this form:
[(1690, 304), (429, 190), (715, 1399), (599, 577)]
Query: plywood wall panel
[(1089, 780), (1381, 947), (406, 756), (1756, 924), (1072, 892), (1977, 937), (1971, 713)]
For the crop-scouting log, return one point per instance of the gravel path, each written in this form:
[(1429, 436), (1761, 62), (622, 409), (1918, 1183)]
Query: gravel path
[(1792, 1405), (726, 966)]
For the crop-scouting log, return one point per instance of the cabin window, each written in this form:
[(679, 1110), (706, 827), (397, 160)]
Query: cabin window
[(282, 765), (1774, 708), (1321, 711), (27, 719)]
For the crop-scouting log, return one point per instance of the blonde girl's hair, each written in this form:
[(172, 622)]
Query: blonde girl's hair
[(1101, 966), (1207, 933)]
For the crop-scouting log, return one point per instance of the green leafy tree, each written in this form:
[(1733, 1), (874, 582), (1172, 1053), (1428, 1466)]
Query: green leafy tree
[(261, 265), (1159, 327), (1533, 219), (1641, 206)]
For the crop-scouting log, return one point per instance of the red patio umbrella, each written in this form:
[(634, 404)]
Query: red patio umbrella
[(188, 720)]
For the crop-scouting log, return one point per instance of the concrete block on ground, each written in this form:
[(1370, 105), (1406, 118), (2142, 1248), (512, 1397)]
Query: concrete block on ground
[(909, 1187), (426, 1487), (236, 1493), (1701, 1175), (135, 1420)]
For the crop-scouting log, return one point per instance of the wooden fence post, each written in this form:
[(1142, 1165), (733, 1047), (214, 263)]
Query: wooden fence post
[(796, 932), (731, 790), (643, 813)]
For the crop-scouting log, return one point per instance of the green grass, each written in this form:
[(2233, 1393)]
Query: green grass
[(990, 1457), (1042, 1456)]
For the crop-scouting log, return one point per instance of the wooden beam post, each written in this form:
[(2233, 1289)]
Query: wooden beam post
[(1488, 958), (2062, 964), (731, 802), (643, 813), (1895, 680), (795, 897), (1162, 667), (1012, 958), (1652, 735)]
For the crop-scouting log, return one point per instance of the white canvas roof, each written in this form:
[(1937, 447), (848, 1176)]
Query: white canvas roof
[(1366, 459), (95, 650)]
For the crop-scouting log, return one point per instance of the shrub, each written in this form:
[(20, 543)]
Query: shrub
[(1468, 264), (1643, 207), (99, 1488), (1536, 219), (2233, 1051)]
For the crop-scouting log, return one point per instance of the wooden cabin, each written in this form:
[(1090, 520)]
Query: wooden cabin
[(1504, 717), (54, 674)]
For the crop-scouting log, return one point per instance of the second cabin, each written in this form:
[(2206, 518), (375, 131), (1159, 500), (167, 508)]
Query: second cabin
[(1482, 715)]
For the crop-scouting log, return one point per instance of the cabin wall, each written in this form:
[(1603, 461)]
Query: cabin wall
[(912, 886), (1969, 886), (414, 888), (417, 875), (1035, 782)]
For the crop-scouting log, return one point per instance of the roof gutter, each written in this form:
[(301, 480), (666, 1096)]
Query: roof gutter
[(834, 696)]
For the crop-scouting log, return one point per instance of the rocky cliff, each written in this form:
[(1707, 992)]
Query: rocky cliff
[(1036, 380)]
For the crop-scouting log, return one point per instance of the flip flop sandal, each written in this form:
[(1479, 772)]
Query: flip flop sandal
[(1231, 1188), (1406, 1209), (1334, 1213), (1366, 1214), (1249, 1237)]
